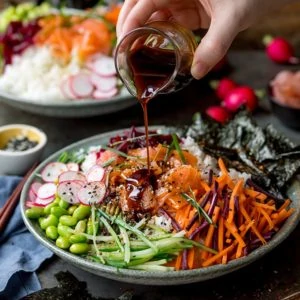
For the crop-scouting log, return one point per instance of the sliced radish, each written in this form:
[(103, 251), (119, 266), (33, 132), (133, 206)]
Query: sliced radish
[(100, 95), (43, 202), (89, 161), (29, 203), (104, 84), (31, 195), (47, 191), (35, 187), (92, 193), (66, 90), (96, 173), (73, 166), (51, 172), (71, 176), (68, 191), (104, 66), (81, 85)]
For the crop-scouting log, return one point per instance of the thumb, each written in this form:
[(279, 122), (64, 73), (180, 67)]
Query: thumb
[(213, 46)]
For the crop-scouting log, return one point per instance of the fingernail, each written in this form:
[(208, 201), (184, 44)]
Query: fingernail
[(198, 70)]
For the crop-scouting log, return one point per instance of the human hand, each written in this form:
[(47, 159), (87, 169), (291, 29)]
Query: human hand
[(223, 18)]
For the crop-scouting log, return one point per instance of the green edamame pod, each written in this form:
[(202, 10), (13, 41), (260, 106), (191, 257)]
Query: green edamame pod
[(48, 221), (64, 230), (34, 212), (71, 209), (51, 232), (63, 204), (47, 209), (58, 211), (80, 226), (68, 220), (79, 248), (77, 238), (63, 242), (82, 212)]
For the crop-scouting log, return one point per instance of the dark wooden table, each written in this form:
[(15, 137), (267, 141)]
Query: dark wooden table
[(275, 276)]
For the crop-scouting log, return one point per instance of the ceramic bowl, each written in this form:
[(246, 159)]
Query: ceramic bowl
[(152, 277), (18, 162)]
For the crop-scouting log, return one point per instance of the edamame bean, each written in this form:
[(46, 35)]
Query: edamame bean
[(51, 232), (47, 209), (48, 221), (63, 242), (77, 238), (90, 227), (79, 248), (64, 231), (34, 212), (80, 226), (63, 204), (58, 211), (68, 220), (81, 212), (71, 209)]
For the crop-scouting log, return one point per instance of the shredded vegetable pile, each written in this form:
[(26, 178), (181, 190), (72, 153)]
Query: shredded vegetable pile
[(102, 203)]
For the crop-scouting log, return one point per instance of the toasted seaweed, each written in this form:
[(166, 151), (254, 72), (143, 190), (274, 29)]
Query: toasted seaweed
[(69, 287), (271, 158)]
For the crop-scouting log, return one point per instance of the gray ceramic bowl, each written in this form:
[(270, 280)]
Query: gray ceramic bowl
[(155, 278)]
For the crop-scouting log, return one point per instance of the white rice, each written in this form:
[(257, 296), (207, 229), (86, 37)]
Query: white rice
[(37, 76)]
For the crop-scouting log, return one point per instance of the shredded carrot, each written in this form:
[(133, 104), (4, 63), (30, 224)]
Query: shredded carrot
[(235, 192), (214, 258)]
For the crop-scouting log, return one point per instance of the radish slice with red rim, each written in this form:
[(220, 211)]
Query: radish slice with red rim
[(43, 202), (104, 66), (47, 191), (29, 203), (104, 84), (81, 86), (35, 187), (31, 195), (73, 166), (68, 191), (96, 173), (71, 176), (100, 95), (92, 193), (51, 172), (66, 90)]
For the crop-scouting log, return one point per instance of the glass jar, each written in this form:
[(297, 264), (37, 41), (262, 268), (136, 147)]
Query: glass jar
[(155, 58)]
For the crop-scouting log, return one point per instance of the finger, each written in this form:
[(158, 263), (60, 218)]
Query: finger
[(213, 46), (141, 13), (161, 15), (126, 8)]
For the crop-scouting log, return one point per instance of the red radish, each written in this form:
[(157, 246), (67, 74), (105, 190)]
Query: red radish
[(72, 166), (51, 172), (280, 50), (31, 195), (218, 113), (242, 95), (66, 90), (104, 84), (90, 160), (223, 87), (81, 85), (96, 173), (100, 95), (68, 191), (71, 176), (104, 66), (46, 191), (92, 193), (35, 187), (43, 202), (29, 203)]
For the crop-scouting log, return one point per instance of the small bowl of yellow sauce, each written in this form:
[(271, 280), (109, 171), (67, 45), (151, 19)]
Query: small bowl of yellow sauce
[(20, 147)]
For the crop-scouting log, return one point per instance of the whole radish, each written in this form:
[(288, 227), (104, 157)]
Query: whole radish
[(280, 50), (223, 87), (218, 113), (239, 96)]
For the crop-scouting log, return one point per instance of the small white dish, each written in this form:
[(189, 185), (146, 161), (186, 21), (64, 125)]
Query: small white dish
[(18, 162)]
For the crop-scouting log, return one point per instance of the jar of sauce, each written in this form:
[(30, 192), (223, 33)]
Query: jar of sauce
[(155, 58)]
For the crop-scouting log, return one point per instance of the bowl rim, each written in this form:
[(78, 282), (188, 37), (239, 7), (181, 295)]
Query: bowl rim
[(42, 142), (151, 277)]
